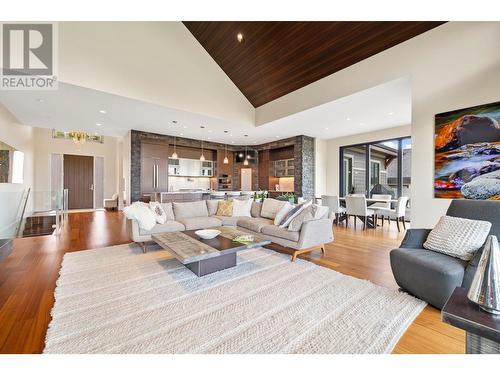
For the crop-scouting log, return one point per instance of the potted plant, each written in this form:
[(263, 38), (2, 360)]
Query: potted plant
[(290, 197), (260, 195)]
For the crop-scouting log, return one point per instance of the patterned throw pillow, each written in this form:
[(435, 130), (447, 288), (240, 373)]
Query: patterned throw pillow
[(160, 214), (225, 208), (285, 222), (283, 211), (307, 214), (458, 237)]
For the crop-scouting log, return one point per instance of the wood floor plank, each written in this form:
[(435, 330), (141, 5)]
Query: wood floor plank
[(29, 274)]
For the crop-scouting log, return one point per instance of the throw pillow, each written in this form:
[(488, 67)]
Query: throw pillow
[(284, 210), (212, 205), (285, 222), (225, 208), (270, 207), (307, 214), (169, 210), (160, 214), (458, 237), (141, 212), (242, 207)]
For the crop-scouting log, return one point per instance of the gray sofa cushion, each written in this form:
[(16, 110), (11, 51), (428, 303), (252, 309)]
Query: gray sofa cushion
[(428, 275), (270, 208), (212, 205), (274, 230), (254, 223), (415, 238), (167, 207), (229, 220), (190, 209), (201, 222), (169, 226), (256, 208)]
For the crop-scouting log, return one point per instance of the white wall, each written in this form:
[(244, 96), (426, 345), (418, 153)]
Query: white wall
[(158, 62), (21, 138), (45, 145), (333, 151), (127, 152), (453, 66)]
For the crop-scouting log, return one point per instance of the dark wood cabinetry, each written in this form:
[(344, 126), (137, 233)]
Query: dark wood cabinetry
[(154, 168)]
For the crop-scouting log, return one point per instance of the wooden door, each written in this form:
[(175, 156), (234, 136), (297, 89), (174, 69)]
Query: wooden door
[(79, 180)]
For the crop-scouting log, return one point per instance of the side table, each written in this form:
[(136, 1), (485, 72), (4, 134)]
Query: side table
[(482, 329)]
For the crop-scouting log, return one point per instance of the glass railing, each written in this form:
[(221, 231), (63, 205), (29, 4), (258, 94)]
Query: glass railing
[(32, 213)]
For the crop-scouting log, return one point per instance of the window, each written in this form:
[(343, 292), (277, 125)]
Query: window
[(374, 173), (381, 167)]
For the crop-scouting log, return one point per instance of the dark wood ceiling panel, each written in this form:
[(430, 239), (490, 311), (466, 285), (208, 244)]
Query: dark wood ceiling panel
[(276, 58)]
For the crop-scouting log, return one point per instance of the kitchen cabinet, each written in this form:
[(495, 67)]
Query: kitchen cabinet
[(190, 167), (154, 168), (284, 168)]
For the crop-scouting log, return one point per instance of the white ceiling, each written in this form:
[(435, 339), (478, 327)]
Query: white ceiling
[(76, 108)]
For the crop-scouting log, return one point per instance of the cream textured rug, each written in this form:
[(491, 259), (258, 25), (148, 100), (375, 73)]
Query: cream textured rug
[(118, 300)]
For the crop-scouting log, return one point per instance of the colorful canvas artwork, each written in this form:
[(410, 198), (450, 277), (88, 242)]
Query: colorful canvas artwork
[(467, 153)]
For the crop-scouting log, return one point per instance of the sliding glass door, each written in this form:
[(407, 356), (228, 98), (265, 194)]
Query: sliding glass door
[(382, 167)]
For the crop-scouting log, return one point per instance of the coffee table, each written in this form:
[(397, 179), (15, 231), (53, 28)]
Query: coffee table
[(206, 256)]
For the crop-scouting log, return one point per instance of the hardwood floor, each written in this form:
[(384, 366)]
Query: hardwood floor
[(29, 274)]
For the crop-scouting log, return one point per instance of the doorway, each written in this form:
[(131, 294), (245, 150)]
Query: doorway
[(246, 179), (79, 180)]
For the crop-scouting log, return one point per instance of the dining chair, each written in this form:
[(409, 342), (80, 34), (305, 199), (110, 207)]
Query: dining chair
[(356, 206), (397, 214), (386, 197), (333, 204)]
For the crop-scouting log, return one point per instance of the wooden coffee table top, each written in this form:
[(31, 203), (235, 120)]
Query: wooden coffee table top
[(187, 247)]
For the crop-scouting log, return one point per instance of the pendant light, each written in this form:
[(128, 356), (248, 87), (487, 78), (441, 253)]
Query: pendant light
[(246, 156), (174, 155), (202, 157), (226, 160)]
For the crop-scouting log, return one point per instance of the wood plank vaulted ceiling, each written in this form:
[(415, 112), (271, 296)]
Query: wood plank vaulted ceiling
[(276, 58)]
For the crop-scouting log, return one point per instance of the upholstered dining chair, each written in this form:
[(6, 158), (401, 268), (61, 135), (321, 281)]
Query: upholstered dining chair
[(333, 204), (398, 214), (387, 197), (356, 206)]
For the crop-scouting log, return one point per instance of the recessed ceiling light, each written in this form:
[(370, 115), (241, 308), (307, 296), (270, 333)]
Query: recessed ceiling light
[(185, 127), (348, 118), (209, 138), (181, 134), (103, 111), (326, 128), (40, 100), (277, 136), (390, 113), (99, 124), (239, 37), (230, 135), (232, 141)]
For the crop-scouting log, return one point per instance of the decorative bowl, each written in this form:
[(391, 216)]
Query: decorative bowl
[(207, 234)]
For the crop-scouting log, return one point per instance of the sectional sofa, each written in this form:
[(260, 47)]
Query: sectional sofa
[(202, 215)]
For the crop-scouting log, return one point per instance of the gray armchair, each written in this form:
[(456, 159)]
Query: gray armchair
[(433, 276)]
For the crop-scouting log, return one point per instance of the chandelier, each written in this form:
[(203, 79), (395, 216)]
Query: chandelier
[(78, 137)]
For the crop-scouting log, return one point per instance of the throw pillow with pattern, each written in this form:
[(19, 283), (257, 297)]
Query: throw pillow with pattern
[(225, 208)]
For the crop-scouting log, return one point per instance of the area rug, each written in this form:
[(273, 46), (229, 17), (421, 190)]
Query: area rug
[(118, 300)]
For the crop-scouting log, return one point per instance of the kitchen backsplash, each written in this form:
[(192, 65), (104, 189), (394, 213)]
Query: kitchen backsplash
[(176, 183)]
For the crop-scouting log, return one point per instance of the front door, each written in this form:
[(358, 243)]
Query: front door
[(79, 180)]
